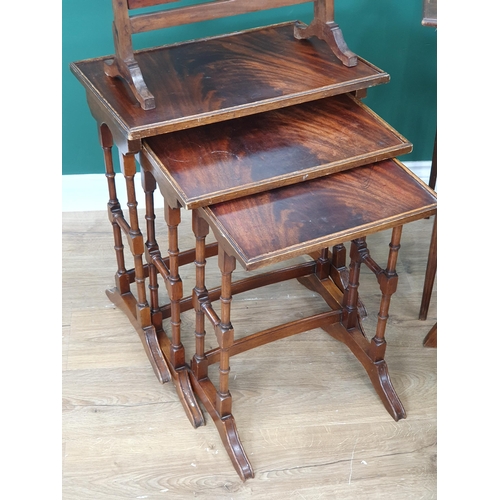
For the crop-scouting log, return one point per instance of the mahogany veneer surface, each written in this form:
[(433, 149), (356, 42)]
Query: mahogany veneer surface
[(294, 220), (225, 160), (224, 77)]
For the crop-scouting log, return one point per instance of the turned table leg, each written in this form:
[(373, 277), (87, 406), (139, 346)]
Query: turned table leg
[(114, 210), (136, 306), (225, 337), (152, 250), (217, 401), (388, 281), (172, 348), (199, 363), (370, 353)]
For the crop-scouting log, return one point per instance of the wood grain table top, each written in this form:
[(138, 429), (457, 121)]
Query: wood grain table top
[(205, 81), (225, 160), (294, 220)]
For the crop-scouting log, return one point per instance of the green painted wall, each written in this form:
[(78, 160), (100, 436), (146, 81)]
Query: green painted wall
[(388, 33)]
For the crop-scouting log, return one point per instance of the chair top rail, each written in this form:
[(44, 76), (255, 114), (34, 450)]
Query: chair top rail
[(139, 4), (196, 13)]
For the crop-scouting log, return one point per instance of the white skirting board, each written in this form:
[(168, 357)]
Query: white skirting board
[(89, 192)]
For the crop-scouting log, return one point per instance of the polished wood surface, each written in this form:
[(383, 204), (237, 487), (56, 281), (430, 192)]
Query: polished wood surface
[(325, 433), (206, 81), (297, 219), (226, 160), (125, 66)]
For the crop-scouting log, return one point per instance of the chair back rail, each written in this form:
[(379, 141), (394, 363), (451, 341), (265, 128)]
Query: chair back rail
[(202, 12), (139, 4)]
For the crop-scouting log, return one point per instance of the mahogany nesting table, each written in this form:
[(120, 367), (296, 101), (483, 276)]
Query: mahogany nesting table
[(306, 218), (196, 84), (244, 139)]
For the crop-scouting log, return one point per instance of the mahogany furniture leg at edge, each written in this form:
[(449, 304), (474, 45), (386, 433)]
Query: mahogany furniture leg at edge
[(166, 356), (136, 309)]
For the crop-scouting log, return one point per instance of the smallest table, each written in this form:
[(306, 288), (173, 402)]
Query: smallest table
[(310, 218)]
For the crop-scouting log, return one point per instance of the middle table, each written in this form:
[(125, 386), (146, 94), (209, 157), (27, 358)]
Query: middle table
[(230, 159), (198, 167)]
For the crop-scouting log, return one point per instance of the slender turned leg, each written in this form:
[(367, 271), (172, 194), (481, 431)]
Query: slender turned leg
[(430, 274), (370, 354), (388, 281), (136, 243), (225, 334), (217, 401), (350, 313), (339, 271), (114, 210), (340, 274), (225, 337), (324, 27), (173, 349), (135, 239), (199, 364), (137, 309), (173, 219), (152, 249)]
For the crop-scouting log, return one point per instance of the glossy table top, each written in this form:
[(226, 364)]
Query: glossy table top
[(294, 220), (214, 79), (221, 161)]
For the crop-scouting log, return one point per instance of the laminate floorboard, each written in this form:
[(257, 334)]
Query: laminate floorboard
[(308, 417)]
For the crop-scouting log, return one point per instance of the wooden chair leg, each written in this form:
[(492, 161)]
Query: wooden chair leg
[(433, 175), (430, 273), (431, 338)]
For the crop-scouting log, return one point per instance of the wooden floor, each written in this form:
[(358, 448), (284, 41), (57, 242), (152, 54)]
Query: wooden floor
[(308, 417)]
